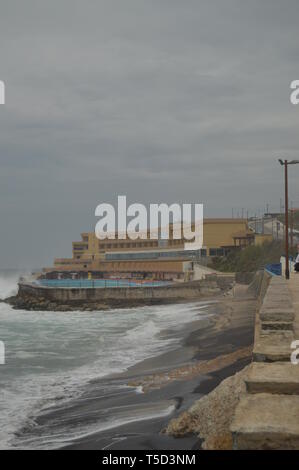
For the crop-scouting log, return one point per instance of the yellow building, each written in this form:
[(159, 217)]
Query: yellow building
[(260, 238), (165, 259)]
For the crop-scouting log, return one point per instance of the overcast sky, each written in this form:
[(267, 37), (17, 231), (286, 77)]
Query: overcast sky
[(160, 100)]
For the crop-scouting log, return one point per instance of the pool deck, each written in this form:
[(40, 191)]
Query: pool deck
[(98, 283), (34, 296)]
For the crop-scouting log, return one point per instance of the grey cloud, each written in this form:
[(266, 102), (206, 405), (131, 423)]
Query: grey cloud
[(160, 100)]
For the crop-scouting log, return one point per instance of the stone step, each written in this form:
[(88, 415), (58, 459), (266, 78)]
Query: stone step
[(278, 280), (273, 346), (276, 377), (279, 293), (272, 302), (275, 313), (266, 421), (277, 325)]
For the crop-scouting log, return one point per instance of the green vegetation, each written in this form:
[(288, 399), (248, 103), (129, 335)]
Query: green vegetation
[(249, 259)]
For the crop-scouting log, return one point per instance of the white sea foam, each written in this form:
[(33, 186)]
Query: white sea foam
[(52, 356), (8, 285)]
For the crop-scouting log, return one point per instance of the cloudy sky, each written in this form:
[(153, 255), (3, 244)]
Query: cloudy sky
[(160, 100)]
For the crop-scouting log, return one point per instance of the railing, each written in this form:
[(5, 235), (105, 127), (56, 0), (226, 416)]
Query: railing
[(274, 268), (99, 283)]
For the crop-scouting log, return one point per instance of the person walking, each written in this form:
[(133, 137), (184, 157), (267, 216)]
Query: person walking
[(296, 267)]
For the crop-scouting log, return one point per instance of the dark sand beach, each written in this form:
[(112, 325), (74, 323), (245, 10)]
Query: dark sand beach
[(142, 401)]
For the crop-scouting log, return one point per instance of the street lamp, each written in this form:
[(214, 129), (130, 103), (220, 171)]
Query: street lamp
[(285, 163)]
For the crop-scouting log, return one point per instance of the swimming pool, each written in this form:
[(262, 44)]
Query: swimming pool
[(99, 283)]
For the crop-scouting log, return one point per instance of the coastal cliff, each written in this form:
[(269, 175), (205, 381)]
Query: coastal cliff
[(210, 417)]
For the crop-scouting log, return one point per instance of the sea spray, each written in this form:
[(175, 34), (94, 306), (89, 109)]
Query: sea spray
[(8, 283), (54, 358)]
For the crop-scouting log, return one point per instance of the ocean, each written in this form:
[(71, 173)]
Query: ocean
[(52, 358)]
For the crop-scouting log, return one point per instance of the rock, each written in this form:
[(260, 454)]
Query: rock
[(211, 416)]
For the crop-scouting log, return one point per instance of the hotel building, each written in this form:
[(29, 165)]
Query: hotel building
[(151, 259)]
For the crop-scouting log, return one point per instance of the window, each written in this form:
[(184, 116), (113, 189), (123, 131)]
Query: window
[(216, 252)]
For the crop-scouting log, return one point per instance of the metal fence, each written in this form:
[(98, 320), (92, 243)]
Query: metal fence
[(99, 283)]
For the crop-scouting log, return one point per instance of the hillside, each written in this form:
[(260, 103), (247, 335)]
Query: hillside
[(249, 259)]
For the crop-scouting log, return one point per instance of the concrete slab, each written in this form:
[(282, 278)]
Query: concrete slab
[(276, 377), (277, 280), (276, 313), (273, 346), (280, 290), (266, 421), (271, 302), (293, 286), (277, 325)]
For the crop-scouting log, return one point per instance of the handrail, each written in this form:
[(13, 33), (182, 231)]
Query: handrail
[(98, 283)]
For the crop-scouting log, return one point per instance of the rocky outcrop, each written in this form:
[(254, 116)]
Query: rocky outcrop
[(210, 417), (37, 297)]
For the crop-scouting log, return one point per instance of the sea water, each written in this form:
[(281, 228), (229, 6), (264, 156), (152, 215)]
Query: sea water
[(51, 357)]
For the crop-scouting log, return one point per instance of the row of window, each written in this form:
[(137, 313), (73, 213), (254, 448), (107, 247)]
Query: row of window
[(156, 255), (139, 244), (145, 244), (216, 252), (149, 244), (80, 247)]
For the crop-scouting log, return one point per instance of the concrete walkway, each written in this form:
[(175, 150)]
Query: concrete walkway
[(293, 285), (267, 416)]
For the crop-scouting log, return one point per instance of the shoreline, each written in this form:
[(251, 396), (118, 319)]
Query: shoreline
[(228, 332), (220, 349), (210, 349), (61, 299)]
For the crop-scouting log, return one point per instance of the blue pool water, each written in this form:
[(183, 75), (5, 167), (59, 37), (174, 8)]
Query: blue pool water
[(91, 283)]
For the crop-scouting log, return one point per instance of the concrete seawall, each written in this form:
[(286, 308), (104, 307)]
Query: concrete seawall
[(267, 416), (35, 297)]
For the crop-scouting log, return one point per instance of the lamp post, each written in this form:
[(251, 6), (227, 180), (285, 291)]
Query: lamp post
[(285, 163)]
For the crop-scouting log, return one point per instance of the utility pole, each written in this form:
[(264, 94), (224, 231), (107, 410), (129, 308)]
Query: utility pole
[(286, 207), (285, 163)]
